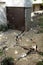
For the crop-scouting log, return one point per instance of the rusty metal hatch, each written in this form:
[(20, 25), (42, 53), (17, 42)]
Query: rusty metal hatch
[(16, 17)]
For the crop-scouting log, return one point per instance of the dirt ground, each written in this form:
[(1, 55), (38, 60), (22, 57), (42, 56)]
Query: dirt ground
[(17, 51)]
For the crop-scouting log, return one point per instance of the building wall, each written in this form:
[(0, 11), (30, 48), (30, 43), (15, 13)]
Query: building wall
[(20, 3), (37, 4), (3, 19), (2, 4), (19, 17), (37, 1), (36, 7), (28, 18)]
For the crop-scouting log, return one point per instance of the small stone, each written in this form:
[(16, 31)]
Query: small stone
[(20, 40), (15, 59), (16, 52), (6, 49), (25, 59), (27, 40), (0, 38), (6, 37), (34, 46), (23, 55)]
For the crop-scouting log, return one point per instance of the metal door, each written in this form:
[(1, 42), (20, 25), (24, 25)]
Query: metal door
[(16, 17)]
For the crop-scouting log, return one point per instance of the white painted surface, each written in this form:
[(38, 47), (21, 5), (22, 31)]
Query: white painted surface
[(19, 3), (37, 1), (2, 0), (3, 19)]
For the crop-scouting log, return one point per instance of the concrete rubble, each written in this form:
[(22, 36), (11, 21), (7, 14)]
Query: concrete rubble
[(20, 52)]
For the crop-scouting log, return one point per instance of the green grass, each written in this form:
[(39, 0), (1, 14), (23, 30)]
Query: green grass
[(41, 21), (40, 53), (40, 63), (3, 28), (8, 61), (41, 24), (41, 31), (1, 53)]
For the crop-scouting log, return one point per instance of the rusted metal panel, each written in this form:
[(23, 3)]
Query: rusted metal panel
[(16, 17)]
